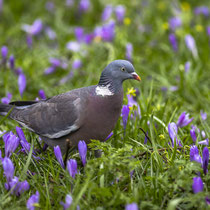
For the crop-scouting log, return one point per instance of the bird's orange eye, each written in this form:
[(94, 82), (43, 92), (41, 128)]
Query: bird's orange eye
[(123, 69)]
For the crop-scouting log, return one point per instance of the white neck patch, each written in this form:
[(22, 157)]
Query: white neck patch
[(103, 91)]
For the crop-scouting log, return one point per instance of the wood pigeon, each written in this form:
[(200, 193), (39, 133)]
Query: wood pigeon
[(80, 114)]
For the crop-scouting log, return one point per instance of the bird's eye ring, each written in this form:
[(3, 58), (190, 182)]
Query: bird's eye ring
[(123, 69)]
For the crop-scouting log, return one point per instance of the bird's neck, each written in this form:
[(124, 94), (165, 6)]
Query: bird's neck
[(107, 86)]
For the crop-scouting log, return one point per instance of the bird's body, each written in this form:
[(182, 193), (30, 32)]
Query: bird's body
[(81, 114)]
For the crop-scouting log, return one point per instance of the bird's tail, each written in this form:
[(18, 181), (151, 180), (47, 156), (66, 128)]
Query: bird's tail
[(4, 109)]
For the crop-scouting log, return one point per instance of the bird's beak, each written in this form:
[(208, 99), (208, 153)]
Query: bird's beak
[(136, 76)]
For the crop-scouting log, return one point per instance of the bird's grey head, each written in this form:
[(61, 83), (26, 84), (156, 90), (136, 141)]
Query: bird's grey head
[(117, 72)]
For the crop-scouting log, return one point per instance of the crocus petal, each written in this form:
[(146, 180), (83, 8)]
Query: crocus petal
[(203, 115), (82, 147), (79, 33), (72, 167), (109, 136), (8, 168), (197, 185), (193, 135), (73, 46), (174, 23), (77, 64), (42, 94), (184, 120), (191, 45), (132, 206), (21, 83), (58, 155), (34, 199), (202, 10), (4, 52), (129, 51), (20, 134), (173, 41), (125, 113), (187, 66), (12, 62), (194, 154), (120, 13), (68, 202), (84, 5), (205, 160), (107, 13)]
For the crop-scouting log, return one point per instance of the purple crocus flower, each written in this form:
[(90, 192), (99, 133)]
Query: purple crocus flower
[(172, 131), (4, 53), (73, 46), (6, 100), (107, 12), (49, 70), (77, 64), (204, 142), (58, 155), (193, 135), (42, 94), (72, 167), (8, 168), (184, 120), (131, 206), (55, 62), (197, 185), (79, 33), (33, 29), (1, 5), (21, 83), (108, 31), (194, 154), (11, 143), (120, 13), (173, 42), (50, 6), (174, 23), (12, 62), (187, 66), (84, 5), (191, 45), (203, 115), (82, 147), (34, 199), (129, 52), (17, 187), (68, 202), (29, 40), (202, 10), (205, 160), (125, 113), (50, 33), (20, 134)]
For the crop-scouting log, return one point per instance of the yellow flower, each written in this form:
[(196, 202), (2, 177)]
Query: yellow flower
[(199, 28), (161, 136), (165, 26), (131, 91), (185, 6), (127, 21)]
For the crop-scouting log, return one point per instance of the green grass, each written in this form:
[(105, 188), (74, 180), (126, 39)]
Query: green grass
[(162, 177)]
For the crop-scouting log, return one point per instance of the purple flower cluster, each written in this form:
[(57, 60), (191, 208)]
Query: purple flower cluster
[(13, 184), (55, 64), (119, 11), (194, 156), (32, 201)]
